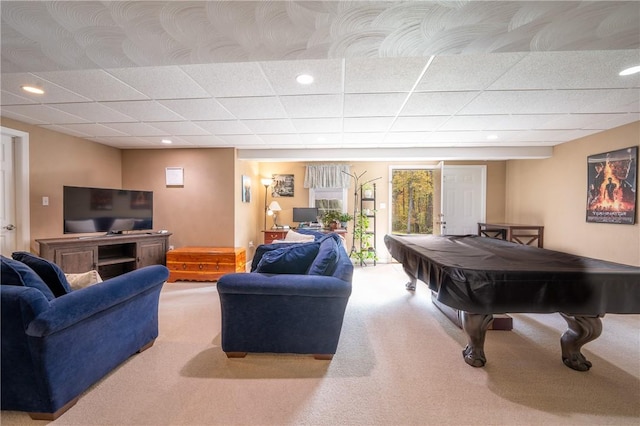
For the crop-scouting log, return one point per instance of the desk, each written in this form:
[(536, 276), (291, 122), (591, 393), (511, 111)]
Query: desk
[(280, 234), (484, 276), (521, 234)]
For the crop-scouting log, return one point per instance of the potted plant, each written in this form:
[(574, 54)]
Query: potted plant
[(367, 190), (331, 219), (344, 218)]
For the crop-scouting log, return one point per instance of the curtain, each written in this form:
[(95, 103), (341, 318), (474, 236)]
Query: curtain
[(327, 176)]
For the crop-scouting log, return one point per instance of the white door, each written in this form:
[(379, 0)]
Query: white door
[(463, 199), (7, 201)]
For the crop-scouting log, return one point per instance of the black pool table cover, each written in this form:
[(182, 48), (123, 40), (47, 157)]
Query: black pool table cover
[(485, 276)]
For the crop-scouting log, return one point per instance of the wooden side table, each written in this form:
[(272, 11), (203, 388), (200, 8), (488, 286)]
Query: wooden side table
[(204, 263), (274, 234)]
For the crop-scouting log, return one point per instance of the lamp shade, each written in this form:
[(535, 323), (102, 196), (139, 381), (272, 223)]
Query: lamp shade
[(266, 181), (274, 206)]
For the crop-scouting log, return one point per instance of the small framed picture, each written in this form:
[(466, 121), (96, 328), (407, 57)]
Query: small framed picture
[(246, 189), (282, 186)]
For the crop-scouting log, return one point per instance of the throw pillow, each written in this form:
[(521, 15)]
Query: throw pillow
[(17, 273), (50, 273), (326, 260), (294, 259), (78, 281), (264, 248), (293, 236)]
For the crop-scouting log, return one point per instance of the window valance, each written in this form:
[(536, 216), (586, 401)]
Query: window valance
[(327, 176)]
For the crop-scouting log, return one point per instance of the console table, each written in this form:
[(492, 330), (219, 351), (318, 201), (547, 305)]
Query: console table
[(110, 255), (280, 234), (204, 263), (521, 234)]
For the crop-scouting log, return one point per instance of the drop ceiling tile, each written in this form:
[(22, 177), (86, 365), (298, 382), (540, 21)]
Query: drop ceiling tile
[(518, 122), (198, 109), (97, 85), (224, 127), (20, 117), (363, 138), (380, 75), (277, 140), (92, 111), (7, 98), (612, 100), (145, 110), (179, 128), (230, 79), (169, 82), (437, 103), (280, 125), (176, 142), (12, 83), (317, 125), (136, 129), (254, 107), (311, 106), (243, 140), (321, 139), (123, 142), (532, 102), (418, 124), (44, 114), (449, 73), (376, 105), (85, 130), (596, 69), (282, 76), (367, 124), (205, 141)]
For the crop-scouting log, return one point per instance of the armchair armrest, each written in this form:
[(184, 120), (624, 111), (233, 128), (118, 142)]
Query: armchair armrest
[(283, 285), (78, 305)]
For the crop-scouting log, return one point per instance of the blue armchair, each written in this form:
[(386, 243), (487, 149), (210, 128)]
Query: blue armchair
[(56, 344), (292, 302)]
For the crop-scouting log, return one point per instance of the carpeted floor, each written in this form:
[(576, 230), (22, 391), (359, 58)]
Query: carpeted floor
[(399, 362)]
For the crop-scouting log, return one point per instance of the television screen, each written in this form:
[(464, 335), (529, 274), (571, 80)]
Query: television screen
[(305, 214), (106, 210)]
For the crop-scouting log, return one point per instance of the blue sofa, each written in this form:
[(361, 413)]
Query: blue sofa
[(293, 300), (57, 342)]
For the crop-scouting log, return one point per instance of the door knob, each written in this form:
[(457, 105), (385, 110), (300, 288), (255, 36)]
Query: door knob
[(9, 227)]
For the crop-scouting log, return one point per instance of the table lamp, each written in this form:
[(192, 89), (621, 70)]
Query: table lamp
[(273, 208)]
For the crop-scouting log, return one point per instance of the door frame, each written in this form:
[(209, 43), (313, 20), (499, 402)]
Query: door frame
[(21, 181)]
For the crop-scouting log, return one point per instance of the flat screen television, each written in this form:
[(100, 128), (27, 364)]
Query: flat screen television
[(106, 210), (305, 215)]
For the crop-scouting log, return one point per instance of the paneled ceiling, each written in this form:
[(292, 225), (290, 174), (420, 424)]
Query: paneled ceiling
[(500, 76)]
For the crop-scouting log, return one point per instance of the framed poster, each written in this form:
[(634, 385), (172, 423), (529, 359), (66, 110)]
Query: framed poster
[(282, 186), (611, 186), (246, 189)]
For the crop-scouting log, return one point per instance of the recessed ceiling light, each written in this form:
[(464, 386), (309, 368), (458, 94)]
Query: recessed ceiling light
[(632, 70), (304, 79), (167, 141), (492, 137), (32, 89)]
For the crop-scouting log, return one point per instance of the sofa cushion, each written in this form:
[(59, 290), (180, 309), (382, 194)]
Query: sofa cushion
[(326, 259), (86, 279), (17, 273), (264, 248), (294, 259), (50, 273), (293, 236)]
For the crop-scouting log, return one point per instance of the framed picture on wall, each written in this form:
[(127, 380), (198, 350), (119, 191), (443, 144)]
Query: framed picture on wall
[(282, 186), (611, 186), (246, 189)]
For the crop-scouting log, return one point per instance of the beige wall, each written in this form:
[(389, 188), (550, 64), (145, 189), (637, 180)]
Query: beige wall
[(56, 160), (496, 171), (202, 212), (552, 192)]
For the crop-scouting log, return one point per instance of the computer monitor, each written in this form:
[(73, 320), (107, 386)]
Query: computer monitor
[(305, 215)]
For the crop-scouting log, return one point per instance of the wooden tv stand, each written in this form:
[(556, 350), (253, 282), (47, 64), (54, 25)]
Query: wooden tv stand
[(110, 255)]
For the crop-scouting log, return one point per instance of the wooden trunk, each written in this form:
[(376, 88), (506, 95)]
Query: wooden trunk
[(204, 263)]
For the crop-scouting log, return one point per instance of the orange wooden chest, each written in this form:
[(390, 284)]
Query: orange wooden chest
[(204, 263)]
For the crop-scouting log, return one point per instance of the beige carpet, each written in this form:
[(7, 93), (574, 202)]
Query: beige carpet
[(398, 363)]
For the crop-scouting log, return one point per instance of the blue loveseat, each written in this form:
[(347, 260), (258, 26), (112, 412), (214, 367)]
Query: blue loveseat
[(57, 342), (293, 300)]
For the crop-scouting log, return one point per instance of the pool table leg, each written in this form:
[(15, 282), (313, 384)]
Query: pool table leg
[(581, 330), (411, 285), (475, 327)]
